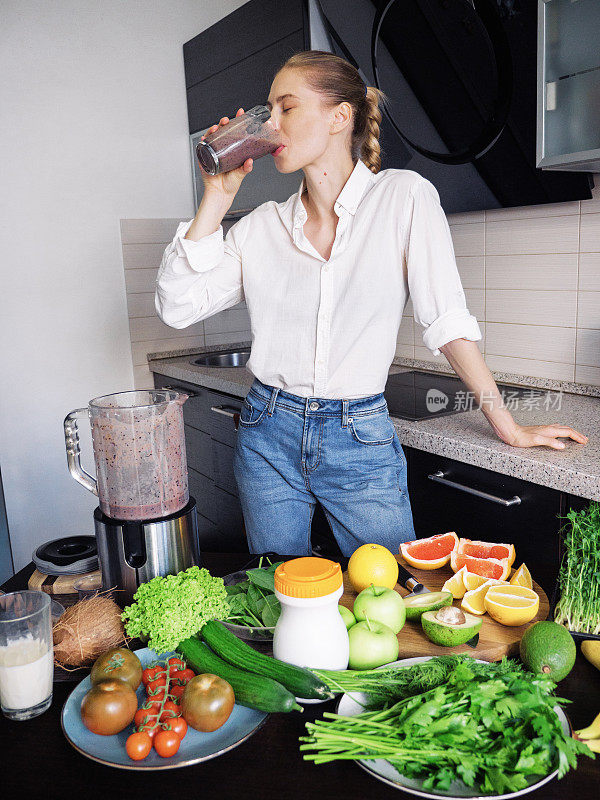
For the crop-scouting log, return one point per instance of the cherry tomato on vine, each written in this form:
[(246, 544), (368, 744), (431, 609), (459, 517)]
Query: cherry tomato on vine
[(157, 683), (143, 715), (138, 745), (156, 697), (149, 674), (175, 664), (150, 728), (178, 725), (170, 710), (183, 677), (176, 692), (166, 743)]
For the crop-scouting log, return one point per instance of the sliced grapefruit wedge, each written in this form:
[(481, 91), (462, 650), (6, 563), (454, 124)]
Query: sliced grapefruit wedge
[(431, 553), (497, 568), (475, 549)]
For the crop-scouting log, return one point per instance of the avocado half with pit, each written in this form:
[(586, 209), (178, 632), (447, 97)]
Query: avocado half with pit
[(417, 604), (450, 626)]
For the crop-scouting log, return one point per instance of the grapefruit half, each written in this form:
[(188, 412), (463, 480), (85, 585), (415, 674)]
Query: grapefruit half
[(431, 553), (497, 568), (468, 547)]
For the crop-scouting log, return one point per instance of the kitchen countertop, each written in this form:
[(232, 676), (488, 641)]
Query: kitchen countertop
[(466, 436), (39, 761)]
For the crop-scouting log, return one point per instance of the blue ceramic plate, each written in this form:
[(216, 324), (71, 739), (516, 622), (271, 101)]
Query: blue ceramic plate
[(195, 747)]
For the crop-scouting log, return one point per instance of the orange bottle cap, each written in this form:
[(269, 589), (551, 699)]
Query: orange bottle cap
[(308, 577)]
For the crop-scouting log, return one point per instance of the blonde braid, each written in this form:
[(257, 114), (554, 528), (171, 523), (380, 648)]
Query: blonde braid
[(371, 149)]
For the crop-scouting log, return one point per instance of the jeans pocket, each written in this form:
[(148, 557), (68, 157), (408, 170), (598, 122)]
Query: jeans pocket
[(374, 429), (252, 413)]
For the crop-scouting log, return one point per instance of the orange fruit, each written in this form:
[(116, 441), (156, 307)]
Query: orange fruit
[(486, 567), (431, 553), (372, 563), (468, 547)]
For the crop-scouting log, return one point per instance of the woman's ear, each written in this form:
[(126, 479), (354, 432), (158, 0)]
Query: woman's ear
[(342, 117)]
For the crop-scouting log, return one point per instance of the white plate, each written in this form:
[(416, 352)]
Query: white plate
[(349, 705)]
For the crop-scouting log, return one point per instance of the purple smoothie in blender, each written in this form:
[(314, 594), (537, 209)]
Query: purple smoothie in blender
[(251, 135)]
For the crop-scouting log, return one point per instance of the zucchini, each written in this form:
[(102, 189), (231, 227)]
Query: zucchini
[(254, 691), (303, 683)]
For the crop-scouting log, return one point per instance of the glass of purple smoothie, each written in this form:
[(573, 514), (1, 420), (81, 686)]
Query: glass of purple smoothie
[(139, 453), (251, 135)]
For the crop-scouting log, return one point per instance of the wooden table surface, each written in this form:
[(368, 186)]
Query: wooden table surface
[(38, 761)]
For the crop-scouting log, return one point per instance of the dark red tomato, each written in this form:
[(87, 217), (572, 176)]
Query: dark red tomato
[(170, 710), (108, 707), (157, 683), (175, 664), (182, 677), (207, 702), (138, 745), (143, 715), (176, 692), (117, 664), (177, 724), (151, 728), (149, 674), (166, 743)]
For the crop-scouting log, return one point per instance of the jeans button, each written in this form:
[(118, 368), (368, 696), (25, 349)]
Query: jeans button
[(314, 406)]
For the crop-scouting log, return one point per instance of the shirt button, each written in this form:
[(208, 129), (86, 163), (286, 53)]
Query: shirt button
[(314, 406)]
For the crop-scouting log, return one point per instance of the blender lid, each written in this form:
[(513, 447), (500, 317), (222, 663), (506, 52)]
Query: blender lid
[(71, 555)]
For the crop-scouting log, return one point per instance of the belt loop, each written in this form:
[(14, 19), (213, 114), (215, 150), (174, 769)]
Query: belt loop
[(272, 401), (344, 413)]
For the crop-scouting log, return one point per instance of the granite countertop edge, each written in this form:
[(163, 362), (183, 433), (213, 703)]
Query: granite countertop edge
[(471, 444)]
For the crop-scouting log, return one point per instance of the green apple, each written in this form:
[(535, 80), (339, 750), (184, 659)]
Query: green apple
[(371, 645), (347, 616), (381, 605)]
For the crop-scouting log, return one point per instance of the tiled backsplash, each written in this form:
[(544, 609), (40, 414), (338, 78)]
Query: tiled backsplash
[(144, 241), (531, 277)]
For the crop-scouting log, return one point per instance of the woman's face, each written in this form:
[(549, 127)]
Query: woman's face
[(305, 123)]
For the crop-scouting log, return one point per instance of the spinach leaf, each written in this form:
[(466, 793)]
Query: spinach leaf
[(271, 611)]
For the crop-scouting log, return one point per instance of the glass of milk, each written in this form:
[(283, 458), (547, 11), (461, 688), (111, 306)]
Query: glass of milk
[(26, 654)]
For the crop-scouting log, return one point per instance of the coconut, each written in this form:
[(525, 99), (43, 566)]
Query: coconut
[(86, 630)]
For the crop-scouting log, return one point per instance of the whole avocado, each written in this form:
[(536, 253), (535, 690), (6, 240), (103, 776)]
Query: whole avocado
[(548, 649)]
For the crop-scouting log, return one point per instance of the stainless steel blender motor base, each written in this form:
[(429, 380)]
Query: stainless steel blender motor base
[(132, 553)]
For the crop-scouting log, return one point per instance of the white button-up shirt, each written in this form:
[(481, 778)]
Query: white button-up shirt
[(326, 328)]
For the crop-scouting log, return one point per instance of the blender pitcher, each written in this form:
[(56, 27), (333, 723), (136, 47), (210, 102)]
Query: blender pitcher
[(139, 453)]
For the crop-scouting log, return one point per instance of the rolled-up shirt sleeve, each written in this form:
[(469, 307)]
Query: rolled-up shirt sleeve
[(434, 282), (198, 279)]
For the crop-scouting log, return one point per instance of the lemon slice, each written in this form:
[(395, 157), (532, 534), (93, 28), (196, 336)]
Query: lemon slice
[(511, 604), (473, 581), (456, 584), (474, 600), (522, 577)]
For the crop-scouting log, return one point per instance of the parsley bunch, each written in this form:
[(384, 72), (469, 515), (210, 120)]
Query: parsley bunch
[(497, 734), (171, 609)]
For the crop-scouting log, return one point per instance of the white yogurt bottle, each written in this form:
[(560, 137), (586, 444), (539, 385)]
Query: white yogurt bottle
[(310, 631)]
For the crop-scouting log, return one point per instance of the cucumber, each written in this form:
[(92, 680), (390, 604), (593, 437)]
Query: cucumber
[(301, 682), (254, 691)]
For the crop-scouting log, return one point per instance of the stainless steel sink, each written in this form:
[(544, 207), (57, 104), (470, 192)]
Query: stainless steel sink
[(225, 358)]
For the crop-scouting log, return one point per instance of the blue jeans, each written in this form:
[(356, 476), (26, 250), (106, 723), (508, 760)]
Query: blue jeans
[(294, 451)]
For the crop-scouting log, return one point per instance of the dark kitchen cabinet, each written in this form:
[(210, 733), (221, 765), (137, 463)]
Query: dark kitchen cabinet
[(209, 439), (232, 63), (532, 524)]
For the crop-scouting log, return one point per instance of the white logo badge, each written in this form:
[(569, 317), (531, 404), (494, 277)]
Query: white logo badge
[(436, 400)]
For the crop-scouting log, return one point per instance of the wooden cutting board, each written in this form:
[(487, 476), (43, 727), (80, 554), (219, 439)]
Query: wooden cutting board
[(495, 640)]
